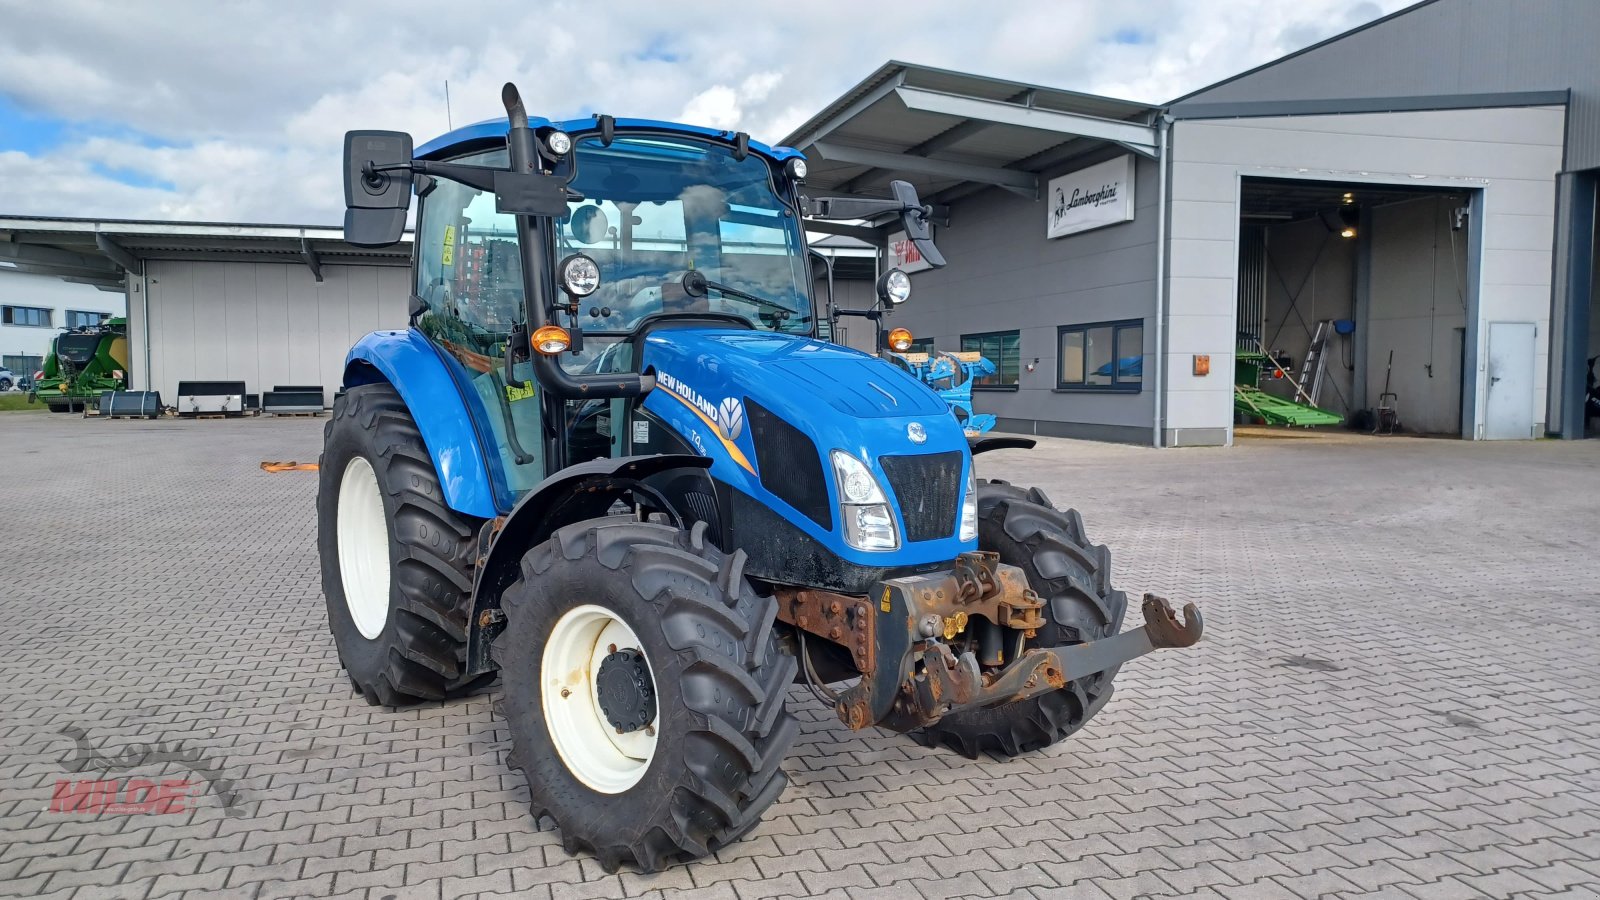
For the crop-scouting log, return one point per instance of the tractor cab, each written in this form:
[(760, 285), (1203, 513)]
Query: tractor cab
[(649, 204)]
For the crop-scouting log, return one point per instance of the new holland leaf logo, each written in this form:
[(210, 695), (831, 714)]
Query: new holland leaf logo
[(730, 418)]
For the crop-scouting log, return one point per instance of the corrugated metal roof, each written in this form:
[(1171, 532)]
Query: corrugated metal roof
[(100, 250), (889, 112)]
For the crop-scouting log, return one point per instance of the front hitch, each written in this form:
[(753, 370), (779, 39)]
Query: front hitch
[(912, 677), (943, 683)]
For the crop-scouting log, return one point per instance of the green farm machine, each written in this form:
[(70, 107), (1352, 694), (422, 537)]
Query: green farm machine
[(82, 363)]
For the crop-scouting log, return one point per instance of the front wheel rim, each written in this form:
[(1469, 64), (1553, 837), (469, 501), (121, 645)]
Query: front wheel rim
[(591, 749), (363, 532)]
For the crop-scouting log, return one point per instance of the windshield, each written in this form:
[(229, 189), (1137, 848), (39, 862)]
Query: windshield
[(656, 206)]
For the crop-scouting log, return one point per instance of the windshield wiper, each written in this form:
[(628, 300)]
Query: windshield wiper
[(695, 284)]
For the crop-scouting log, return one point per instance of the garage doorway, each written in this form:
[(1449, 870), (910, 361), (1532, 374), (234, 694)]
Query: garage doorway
[(1355, 299)]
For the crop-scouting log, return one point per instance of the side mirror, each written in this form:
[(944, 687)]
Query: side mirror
[(915, 220), (377, 187)]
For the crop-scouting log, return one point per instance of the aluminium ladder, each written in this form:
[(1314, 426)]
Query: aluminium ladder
[(1315, 365)]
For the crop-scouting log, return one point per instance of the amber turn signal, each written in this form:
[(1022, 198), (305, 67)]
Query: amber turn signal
[(551, 339), (900, 340)]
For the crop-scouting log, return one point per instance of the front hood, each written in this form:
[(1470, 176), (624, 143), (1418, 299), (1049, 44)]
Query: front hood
[(838, 398), (806, 375)]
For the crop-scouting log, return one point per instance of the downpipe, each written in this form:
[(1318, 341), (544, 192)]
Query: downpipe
[(1158, 429)]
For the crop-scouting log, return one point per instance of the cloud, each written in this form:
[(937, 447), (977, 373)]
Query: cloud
[(213, 111)]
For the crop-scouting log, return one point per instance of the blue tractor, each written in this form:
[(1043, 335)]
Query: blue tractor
[(610, 462)]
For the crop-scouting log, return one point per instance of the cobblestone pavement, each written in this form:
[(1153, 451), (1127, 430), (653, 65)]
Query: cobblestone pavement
[(1398, 693)]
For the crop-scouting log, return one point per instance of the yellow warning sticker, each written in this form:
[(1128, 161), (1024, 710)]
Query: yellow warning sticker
[(448, 256), (519, 392), (884, 603)]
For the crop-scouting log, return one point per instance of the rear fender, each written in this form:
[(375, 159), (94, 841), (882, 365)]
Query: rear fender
[(576, 493), (407, 360)]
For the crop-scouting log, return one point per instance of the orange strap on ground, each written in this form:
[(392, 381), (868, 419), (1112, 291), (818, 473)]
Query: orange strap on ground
[(290, 466)]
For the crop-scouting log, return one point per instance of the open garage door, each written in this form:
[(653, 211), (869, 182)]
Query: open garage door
[(1354, 306)]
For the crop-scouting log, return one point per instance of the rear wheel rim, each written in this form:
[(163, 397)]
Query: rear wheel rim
[(363, 532), (589, 746)]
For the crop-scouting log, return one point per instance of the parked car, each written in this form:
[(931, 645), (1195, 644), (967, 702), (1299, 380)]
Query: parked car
[(9, 381)]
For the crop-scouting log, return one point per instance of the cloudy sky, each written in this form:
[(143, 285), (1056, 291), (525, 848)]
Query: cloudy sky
[(236, 111)]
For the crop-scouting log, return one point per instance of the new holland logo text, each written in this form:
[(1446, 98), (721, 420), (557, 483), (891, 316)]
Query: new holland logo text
[(727, 418)]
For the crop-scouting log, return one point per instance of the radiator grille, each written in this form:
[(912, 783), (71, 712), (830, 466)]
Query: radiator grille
[(789, 464), (928, 491)]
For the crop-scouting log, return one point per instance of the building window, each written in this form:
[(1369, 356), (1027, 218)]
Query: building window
[(1103, 356), (922, 345), (1003, 348), (77, 318), (31, 316)]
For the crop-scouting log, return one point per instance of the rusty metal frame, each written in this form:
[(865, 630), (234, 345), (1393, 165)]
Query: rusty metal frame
[(841, 618)]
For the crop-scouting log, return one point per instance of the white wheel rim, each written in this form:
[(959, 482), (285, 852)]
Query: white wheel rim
[(363, 532), (588, 745)]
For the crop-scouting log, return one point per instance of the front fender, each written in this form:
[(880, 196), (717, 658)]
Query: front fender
[(575, 494), (410, 362)]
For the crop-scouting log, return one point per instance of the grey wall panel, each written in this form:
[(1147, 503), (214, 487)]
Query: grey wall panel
[(242, 335), (1517, 181), (273, 357), (265, 323), (1004, 274), (1450, 47), (208, 320)]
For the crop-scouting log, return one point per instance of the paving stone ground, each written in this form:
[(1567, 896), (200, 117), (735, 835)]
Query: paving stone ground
[(1398, 694)]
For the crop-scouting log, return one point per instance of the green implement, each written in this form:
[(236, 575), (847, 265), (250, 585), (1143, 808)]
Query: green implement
[(1250, 401), (1272, 410)]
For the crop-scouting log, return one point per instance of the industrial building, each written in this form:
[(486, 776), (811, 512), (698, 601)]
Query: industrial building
[(264, 304), (1426, 181), (1412, 203)]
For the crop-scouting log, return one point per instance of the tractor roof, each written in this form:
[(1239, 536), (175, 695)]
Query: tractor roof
[(490, 132)]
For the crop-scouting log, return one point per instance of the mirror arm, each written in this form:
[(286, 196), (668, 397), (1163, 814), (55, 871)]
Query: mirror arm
[(846, 207)]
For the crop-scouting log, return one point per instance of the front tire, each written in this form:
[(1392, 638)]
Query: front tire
[(397, 561), (681, 755), (1074, 578)]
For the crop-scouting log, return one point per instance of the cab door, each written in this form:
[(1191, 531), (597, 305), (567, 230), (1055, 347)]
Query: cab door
[(468, 302)]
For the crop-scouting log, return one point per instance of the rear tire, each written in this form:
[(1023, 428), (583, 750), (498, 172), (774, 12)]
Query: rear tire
[(399, 615), (1073, 576), (714, 708)]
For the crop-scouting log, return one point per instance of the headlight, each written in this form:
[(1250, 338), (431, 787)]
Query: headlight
[(797, 169), (969, 507), (558, 143), (894, 287), (868, 523), (580, 275)]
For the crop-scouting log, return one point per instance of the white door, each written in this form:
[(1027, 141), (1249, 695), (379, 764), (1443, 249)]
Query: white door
[(1508, 413)]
